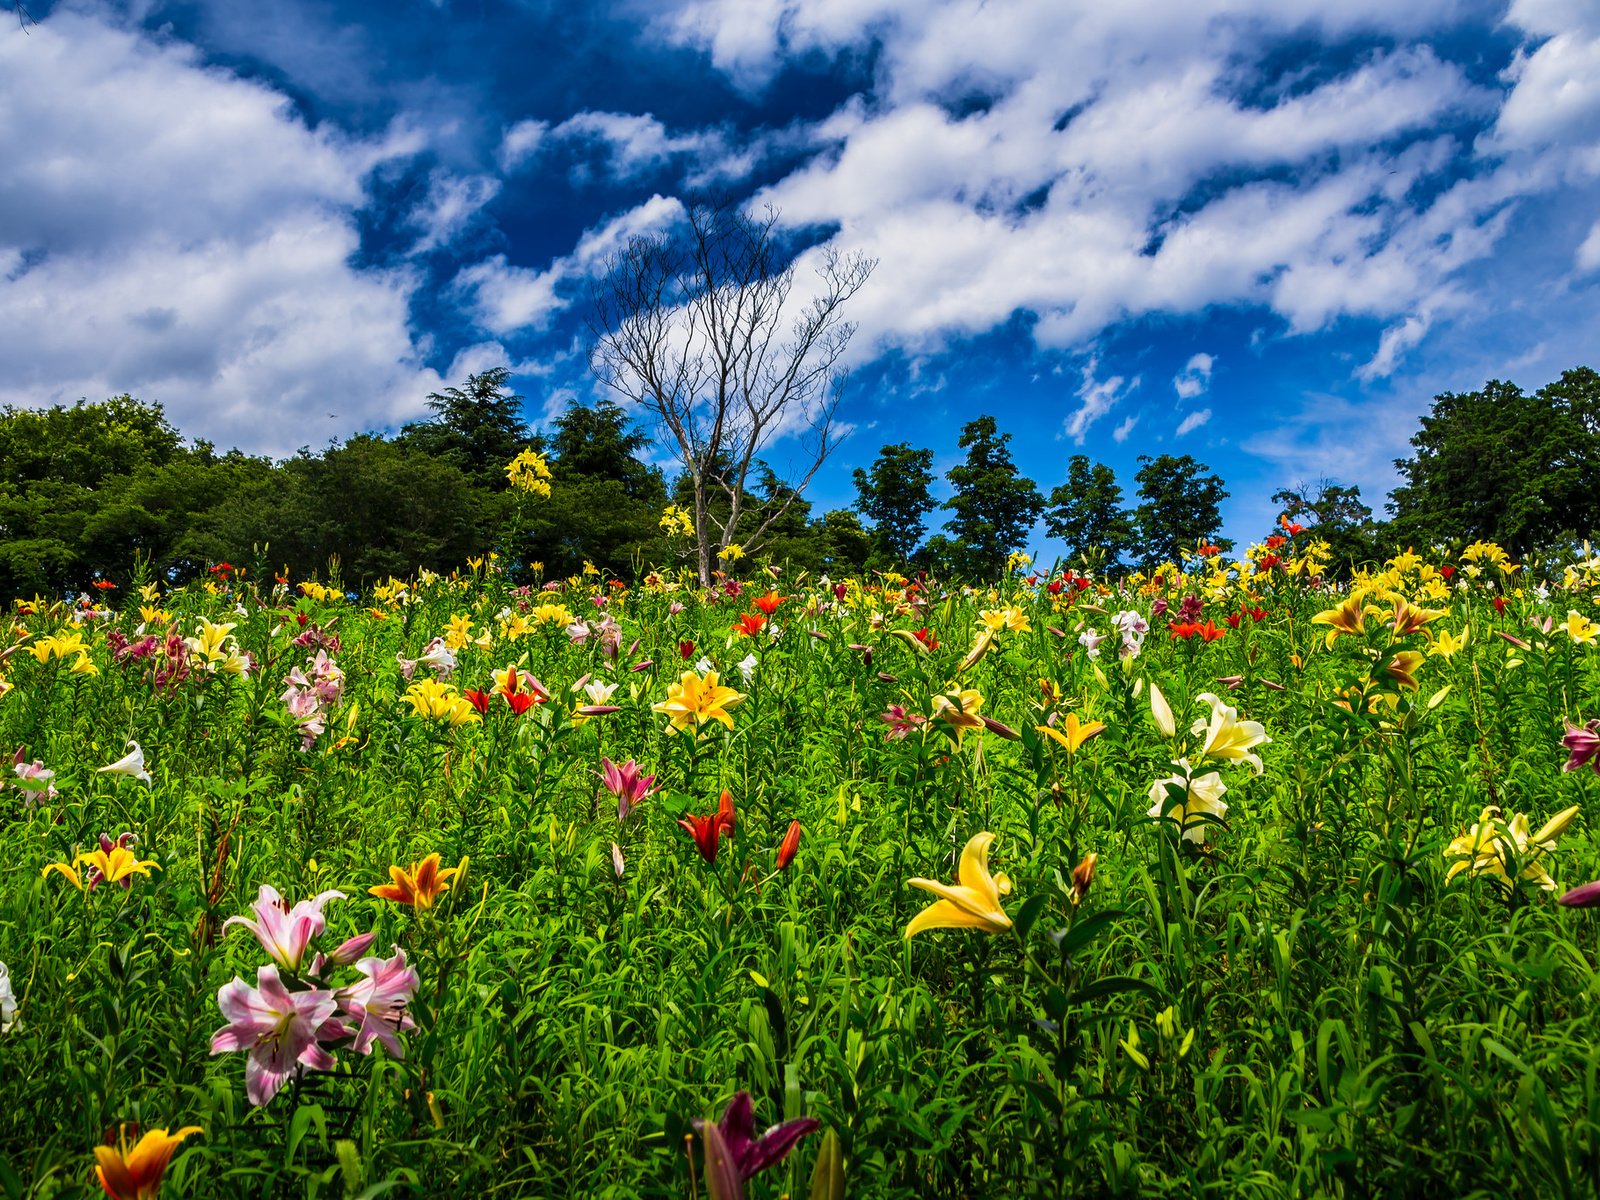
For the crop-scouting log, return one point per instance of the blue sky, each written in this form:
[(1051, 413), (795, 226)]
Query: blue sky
[(1262, 232)]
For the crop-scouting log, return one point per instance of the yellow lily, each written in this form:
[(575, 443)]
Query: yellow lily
[(1073, 732), (973, 903), (1447, 644), (1580, 629), (1347, 617), (959, 710), (134, 1172), (1403, 668), (695, 700), (440, 702), (1227, 737), (1492, 844)]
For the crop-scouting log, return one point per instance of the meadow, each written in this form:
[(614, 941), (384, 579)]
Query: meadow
[(1221, 880)]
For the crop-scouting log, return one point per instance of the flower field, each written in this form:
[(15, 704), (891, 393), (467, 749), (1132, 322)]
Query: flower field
[(1222, 880)]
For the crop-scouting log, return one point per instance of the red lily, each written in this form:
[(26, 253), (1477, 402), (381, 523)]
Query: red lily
[(1183, 629), (478, 700), (1209, 631), (750, 624), (769, 603), (789, 847), (707, 830)]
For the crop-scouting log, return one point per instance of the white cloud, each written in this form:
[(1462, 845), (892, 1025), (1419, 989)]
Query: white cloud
[(1096, 398), (628, 145), (176, 232), (1193, 421), (451, 203), (1589, 251), (1121, 432), (1195, 378)]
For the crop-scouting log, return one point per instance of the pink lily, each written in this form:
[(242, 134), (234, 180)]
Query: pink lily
[(1582, 743), (284, 932), (280, 1029), (626, 784), (378, 1003)]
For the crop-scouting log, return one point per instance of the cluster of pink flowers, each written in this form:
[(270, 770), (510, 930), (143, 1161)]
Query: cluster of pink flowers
[(317, 638), (309, 699), (166, 658), (293, 1015)]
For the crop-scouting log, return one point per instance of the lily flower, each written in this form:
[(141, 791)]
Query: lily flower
[(279, 1028), (1492, 845), (131, 764), (1073, 732), (285, 933), (421, 885), (117, 865), (790, 846), (748, 1154), (1586, 896), (900, 722), (1347, 617), (1227, 737), (696, 699), (626, 784), (1582, 743), (971, 903), (706, 831), (959, 710), (1403, 668), (1186, 799), (378, 1003), (134, 1172), (8, 1001)]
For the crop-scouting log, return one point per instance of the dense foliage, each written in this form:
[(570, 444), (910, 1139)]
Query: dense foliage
[(1317, 952)]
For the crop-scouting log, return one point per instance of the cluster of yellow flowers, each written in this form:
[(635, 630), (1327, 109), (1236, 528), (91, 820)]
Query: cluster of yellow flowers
[(676, 522), (529, 472)]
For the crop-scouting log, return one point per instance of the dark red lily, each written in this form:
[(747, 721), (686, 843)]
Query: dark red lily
[(751, 1155), (707, 831)]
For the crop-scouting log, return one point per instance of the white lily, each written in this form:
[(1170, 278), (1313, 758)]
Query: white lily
[(131, 763)]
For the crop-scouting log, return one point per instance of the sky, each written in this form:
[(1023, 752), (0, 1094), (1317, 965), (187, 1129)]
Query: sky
[(1265, 233)]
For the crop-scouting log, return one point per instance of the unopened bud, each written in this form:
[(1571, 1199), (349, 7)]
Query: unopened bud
[(1082, 877)]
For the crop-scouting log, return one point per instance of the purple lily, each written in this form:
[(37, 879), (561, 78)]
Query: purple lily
[(750, 1154), (626, 784), (281, 1029)]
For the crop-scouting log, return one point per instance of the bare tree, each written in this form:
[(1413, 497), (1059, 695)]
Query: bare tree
[(703, 328)]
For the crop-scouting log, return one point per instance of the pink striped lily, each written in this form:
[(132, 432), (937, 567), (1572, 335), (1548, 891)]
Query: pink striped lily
[(285, 933), (626, 784), (281, 1030)]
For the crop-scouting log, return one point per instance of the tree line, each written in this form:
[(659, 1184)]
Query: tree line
[(88, 490)]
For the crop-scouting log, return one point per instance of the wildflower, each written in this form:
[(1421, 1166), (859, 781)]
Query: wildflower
[(440, 702), (732, 552), (1189, 801), (377, 1005), (959, 710), (1227, 737), (973, 902), (130, 764), (1447, 644), (1580, 629), (113, 862), (999, 620), (1347, 617), (279, 1028), (1090, 641), (900, 721), (1083, 877), (749, 624), (285, 933), (707, 830), (1073, 732), (1402, 668), (1582, 744), (1586, 896), (696, 699), (421, 885), (520, 689), (529, 472), (626, 784), (617, 863), (789, 847), (33, 778), (748, 1155), (8, 1001), (768, 604), (1161, 712), (1493, 846), (746, 667), (134, 1172), (1182, 629)]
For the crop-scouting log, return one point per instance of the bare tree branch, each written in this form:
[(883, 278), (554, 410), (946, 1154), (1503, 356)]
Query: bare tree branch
[(704, 331)]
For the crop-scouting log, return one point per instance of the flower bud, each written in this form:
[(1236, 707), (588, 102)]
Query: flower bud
[(1082, 877)]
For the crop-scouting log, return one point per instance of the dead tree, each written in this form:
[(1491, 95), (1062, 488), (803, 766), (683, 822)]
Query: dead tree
[(703, 328)]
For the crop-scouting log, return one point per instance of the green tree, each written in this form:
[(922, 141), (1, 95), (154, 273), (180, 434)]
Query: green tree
[(994, 506), (894, 496), (1180, 507), (1503, 466), (479, 427), (1086, 513), (1335, 514)]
